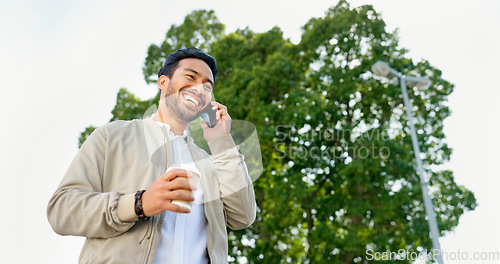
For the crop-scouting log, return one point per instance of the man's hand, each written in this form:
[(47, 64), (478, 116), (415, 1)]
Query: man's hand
[(223, 125), (158, 197)]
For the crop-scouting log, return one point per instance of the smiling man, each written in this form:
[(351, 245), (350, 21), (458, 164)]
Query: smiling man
[(118, 193)]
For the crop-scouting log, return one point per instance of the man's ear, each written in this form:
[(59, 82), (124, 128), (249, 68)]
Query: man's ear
[(163, 83)]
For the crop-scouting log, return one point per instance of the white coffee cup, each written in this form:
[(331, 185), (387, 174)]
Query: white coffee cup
[(194, 180)]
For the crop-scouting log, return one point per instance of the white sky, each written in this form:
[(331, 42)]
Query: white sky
[(63, 62)]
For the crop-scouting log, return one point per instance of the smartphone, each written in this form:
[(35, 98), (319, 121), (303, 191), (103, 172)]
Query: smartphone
[(208, 115)]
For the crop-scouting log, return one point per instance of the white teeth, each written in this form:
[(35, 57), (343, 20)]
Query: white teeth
[(195, 102)]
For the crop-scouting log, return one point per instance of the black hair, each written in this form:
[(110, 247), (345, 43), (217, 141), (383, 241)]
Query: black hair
[(173, 59)]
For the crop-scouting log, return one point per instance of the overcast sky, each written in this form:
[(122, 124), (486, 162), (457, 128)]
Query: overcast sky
[(63, 62)]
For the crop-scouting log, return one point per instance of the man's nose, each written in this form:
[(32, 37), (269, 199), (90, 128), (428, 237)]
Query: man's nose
[(199, 88)]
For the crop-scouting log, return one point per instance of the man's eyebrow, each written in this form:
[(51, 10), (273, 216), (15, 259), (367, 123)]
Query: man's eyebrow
[(197, 73)]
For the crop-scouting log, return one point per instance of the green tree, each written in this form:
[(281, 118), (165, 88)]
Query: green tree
[(338, 165)]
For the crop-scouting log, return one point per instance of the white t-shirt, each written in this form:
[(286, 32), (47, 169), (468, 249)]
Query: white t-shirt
[(183, 236)]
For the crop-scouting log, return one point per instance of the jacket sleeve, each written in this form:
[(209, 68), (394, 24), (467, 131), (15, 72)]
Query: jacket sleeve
[(236, 186), (78, 206)]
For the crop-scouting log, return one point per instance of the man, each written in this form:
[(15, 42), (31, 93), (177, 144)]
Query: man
[(118, 194)]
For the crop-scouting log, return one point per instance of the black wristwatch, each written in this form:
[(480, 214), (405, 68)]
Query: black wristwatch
[(138, 206)]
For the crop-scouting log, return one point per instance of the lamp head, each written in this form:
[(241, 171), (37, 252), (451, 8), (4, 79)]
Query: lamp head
[(421, 83), (383, 69)]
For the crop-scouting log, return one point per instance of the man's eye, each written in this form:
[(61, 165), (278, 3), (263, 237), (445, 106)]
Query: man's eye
[(208, 87), (190, 76)]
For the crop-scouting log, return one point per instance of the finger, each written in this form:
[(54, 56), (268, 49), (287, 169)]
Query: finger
[(181, 183), (180, 194), (204, 125), (222, 113), (178, 209), (220, 106), (173, 173)]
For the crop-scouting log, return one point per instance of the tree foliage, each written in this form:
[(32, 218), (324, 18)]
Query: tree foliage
[(339, 173)]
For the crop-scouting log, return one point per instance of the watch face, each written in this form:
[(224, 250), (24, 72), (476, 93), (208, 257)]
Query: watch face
[(139, 211)]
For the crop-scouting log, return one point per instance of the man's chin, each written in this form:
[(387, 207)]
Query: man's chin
[(187, 115), (182, 110)]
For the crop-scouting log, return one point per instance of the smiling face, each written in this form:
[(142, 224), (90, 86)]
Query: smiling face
[(189, 90)]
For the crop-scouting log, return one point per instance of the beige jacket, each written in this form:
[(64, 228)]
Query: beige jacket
[(96, 196)]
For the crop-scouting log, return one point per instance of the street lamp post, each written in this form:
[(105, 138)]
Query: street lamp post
[(383, 69)]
